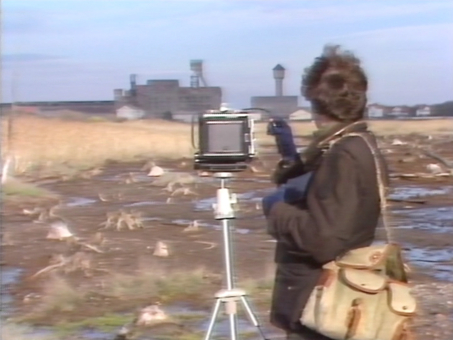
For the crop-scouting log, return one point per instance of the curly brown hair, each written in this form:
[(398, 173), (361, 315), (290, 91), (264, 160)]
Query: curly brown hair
[(336, 85)]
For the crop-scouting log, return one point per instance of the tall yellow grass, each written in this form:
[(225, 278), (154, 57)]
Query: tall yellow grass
[(379, 127), (36, 141), (42, 141)]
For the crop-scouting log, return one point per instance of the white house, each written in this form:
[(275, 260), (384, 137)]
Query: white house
[(300, 114), (130, 112), (375, 111), (423, 111), (399, 112)]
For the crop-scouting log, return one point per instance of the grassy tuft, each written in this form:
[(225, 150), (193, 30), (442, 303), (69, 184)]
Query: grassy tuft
[(15, 187), (106, 323), (158, 283), (60, 296)]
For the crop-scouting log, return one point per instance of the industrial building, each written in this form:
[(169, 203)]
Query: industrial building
[(279, 105), (165, 98)]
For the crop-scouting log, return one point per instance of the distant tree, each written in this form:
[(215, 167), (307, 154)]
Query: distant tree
[(167, 115), (444, 109)]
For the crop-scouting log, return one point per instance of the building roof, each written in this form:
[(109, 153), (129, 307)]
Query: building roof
[(300, 114), (279, 68)]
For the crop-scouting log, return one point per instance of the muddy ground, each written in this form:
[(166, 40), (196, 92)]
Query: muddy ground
[(422, 221)]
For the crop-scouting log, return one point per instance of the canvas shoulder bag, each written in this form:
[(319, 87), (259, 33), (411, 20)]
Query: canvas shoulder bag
[(364, 294)]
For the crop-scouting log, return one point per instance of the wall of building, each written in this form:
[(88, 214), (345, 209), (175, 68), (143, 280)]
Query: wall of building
[(375, 112), (423, 111), (196, 99), (158, 97), (279, 106)]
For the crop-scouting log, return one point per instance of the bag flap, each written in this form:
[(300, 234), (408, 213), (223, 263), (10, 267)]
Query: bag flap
[(363, 280), (401, 300), (363, 258)]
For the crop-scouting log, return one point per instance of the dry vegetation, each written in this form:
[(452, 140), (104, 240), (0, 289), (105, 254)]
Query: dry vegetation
[(380, 127), (75, 145), (124, 290), (80, 144), (49, 142)]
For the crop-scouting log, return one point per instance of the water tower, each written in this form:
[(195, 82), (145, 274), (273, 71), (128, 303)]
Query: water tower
[(196, 66), (279, 75), (133, 82)]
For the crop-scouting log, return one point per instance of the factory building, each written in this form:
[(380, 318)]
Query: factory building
[(166, 98), (279, 105)]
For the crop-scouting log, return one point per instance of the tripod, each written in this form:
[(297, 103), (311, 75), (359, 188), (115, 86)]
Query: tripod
[(231, 295)]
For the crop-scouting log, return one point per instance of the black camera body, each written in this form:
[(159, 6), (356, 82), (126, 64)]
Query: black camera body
[(225, 141)]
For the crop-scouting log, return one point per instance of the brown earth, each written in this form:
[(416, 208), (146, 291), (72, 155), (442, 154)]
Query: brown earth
[(129, 252)]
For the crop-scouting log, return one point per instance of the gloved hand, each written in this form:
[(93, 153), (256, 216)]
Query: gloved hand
[(296, 188), (286, 170), (283, 134), (269, 201)]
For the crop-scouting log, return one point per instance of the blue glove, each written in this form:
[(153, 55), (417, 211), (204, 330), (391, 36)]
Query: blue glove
[(269, 200), (291, 192), (279, 128), (296, 188)]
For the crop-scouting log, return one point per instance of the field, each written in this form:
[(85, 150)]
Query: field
[(99, 281)]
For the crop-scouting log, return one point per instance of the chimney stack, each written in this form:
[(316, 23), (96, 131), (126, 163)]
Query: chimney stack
[(279, 75)]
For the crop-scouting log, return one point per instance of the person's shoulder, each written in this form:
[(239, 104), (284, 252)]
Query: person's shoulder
[(355, 144)]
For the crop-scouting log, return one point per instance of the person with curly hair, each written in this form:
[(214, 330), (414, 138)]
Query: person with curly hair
[(341, 206)]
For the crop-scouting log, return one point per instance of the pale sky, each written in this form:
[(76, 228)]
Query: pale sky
[(83, 49)]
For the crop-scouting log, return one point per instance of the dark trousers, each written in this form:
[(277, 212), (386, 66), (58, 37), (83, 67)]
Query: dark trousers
[(306, 334)]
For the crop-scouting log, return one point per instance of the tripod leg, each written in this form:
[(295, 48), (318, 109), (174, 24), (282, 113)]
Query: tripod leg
[(215, 312), (233, 327), (252, 316)]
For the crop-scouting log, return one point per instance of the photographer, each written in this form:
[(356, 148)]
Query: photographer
[(341, 207)]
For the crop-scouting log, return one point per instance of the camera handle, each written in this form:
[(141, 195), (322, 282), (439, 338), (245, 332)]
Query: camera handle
[(230, 296)]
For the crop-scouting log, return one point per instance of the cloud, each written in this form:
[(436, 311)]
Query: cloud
[(265, 14)]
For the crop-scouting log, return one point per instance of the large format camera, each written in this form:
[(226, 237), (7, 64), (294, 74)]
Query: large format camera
[(226, 141)]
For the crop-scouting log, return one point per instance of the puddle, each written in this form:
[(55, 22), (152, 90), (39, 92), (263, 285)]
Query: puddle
[(80, 202), (215, 226), (139, 177), (8, 277), (95, 335), (152, 219), (438, 260), (144, 203), (432, 219), (413, 191), (249, 197)]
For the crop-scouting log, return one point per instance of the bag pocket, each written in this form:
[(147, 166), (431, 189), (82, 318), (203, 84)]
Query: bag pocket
[(360, 305)]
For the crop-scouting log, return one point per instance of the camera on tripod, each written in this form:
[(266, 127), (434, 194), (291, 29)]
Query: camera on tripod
[(226, 141)]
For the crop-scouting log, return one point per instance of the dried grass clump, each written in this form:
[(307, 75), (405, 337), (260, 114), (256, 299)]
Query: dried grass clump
[(60, 296)]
